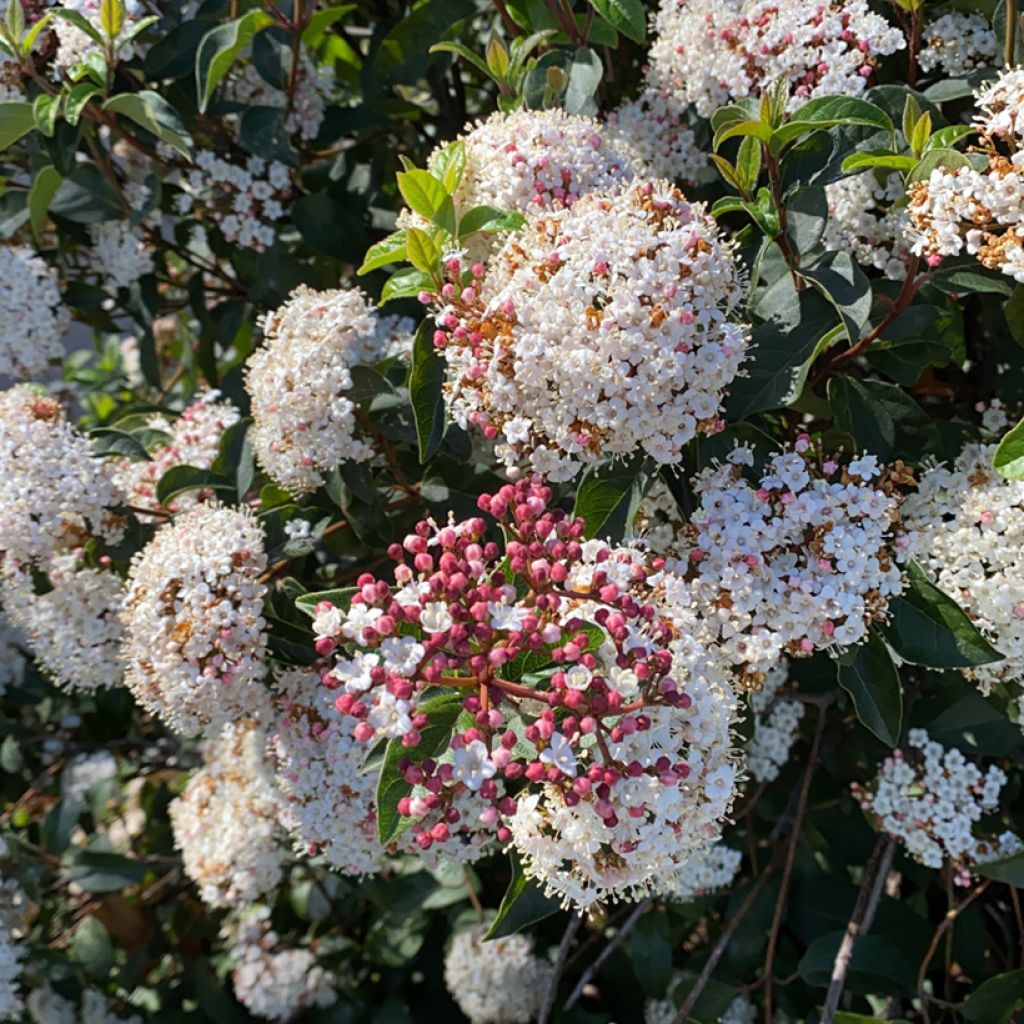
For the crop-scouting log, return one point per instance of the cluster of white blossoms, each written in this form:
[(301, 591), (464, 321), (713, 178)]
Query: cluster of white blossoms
[(977, 211), (598, 331), (967, 528), (225, 821), (711, 52), (704, 872), (804, 560), (776, 726), (304, 422), (120, 254), (193, 439), (47, 1007), (273, 982), (663, 1011), (245, 200), (74, 46), (33, 319), (956, 42), (73, 628), (501, 981), (931, 799), (652, 128), (195, 636), (54, 494), (304, 111), (866, 219), (83, 773), (328, 801), (12, 948)]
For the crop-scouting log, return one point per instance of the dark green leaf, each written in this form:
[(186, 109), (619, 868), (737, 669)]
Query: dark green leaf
[(608, 497), (219, 49), (156, 115), (995, 1000), (180, 479), (626, 16), (426, 377), (523, 905), (16, 120), (882, 419), (869, 676)]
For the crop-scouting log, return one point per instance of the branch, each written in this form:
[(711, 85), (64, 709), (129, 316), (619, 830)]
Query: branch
[(860, 920), (563, 952)]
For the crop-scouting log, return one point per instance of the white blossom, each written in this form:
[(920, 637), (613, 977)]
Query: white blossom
[(33, 318)]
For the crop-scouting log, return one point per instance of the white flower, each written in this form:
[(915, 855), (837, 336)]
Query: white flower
[(473, 764), (390, 716), (559, 753), (507, 616), (33, 319), (435, 617)]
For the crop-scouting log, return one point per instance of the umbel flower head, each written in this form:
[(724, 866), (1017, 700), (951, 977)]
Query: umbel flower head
[(596, 332), (195, 636), (802, 559), (590, 728), (33, 319), (304, 423)]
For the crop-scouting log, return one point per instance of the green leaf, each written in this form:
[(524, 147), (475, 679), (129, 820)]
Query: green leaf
[(14, 20), (1013, 311), (523, 905), (152, 112), (111, 441), (827, 112), (840, 280), (879, 158), (426, 378), (16, 120), (421, 191), (423, 252), (1007, 869), (40, 195), (77, 99), (585, 75), (948, 136), (306, 603), (748, 164), (996, 1000), (386, 251), (754, 129), (935, 158), (441, 712), (927, 627), (489, 219), (626, 16), (180, 479), (869, 676), (45, 110), (406, 284), (1009, 457), (448, 164), (608, 497), (320, 21), (463, 51), (111, 17), (80, 21), (261, 130), (807, 215), (219, 49), (33, 33), (882, 419), (99, 871)]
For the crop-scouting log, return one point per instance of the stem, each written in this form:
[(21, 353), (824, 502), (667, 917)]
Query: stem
[(563, 952), (782, 239), (506, 18), (683, 1014), (914, 43), (617, 939), (860, 921)]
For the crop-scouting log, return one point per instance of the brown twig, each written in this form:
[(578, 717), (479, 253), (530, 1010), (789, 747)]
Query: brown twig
[(860, 921), (563, 952)]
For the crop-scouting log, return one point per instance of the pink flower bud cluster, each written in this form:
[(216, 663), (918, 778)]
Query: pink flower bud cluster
[(578, 687)]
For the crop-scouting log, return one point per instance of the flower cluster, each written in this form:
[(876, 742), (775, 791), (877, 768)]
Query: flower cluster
[(704, 872), (272, 982), (652, 128), (594, 734), (120, 254), (501, 981), (54, 494), (967, 525), (711, 52), (12, 949), (48, 1007), (304, 104), (195, 636), (866, 219), (193, 439), (33, 320), (803, 559), (931, 799), (956, 43), (597, 331), (776, 726), (225, 821), (245, 200), (304, 422), (977, 211), (327, 798), (75, 46)]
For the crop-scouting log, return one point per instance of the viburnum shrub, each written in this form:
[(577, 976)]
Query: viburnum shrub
[(511, 511)]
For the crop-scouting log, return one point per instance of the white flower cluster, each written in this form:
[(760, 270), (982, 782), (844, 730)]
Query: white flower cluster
[(225, 821), (659, 821), (956, 43), (967, 527), (776, 726), (304, 113), (866, 220), (119, 254), (497, 982), (328, 802), (195, 636), (245, 200), (600, 330), (73, 629), (33, 320), (663, 1011), (54, 494), (84, 772), (12, 949), (704, 872), (193, 439), (47, 1007), (972, 211), (711, 52), (651, 127), (75, 46), (304, 423), (931, 801), (804, 561)]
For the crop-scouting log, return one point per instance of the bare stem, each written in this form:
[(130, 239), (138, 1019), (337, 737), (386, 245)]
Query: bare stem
[(563, 953)]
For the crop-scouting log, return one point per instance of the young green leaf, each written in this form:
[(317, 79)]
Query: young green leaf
[(386, 251), (1009, 457), (422, 191)]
